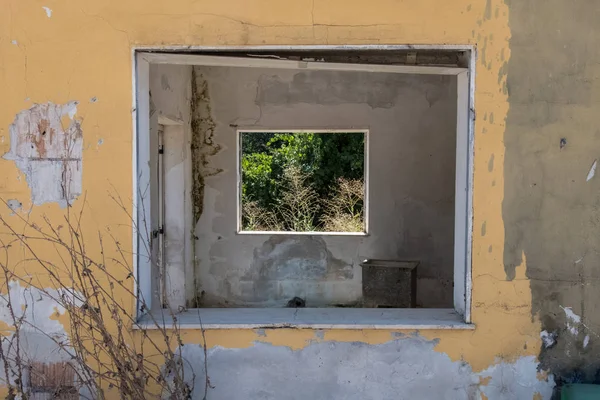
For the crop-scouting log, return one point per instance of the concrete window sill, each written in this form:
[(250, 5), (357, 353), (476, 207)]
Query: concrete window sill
[(310, 318)]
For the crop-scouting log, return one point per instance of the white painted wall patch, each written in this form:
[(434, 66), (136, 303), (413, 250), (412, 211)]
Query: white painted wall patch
[(48, 151), (592, 172), (548, 339), (573, 320)]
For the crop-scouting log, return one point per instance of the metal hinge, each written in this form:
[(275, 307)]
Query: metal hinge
[(159, 231)]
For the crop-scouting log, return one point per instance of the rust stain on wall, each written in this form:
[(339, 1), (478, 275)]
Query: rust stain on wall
[(203, 144), (46, 144)]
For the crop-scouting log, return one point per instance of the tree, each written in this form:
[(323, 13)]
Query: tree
[(320, 159)]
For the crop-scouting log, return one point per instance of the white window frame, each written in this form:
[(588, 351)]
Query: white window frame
[(365, 230), (145, 196)]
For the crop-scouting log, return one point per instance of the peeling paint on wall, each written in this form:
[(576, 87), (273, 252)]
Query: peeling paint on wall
[(406, 368), (42, 342), (40, 329), (516, 380), (14, 205), (46, 144), (202, 144)]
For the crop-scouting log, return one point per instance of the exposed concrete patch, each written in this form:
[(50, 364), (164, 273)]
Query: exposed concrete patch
[(518, 380), (399, 369), (299, 263), (47, 152), (34, 306), (14, 205), (298, 257), (40, 329), (43, 342)]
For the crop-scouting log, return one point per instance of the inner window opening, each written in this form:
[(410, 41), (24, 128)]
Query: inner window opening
[(302, 181)]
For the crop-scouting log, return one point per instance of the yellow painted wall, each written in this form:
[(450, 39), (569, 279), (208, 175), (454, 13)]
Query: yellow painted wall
[(83, 51)]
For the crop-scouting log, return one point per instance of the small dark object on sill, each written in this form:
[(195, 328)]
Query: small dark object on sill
[(389, 283), (296, 302)]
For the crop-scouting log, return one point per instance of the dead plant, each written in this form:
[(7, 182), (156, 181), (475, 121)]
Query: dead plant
[(257, 218), (94, 295), (344, 211), (299, 203)]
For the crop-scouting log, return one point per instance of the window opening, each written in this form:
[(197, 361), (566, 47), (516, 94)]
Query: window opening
[(302, 181), (404, 257)]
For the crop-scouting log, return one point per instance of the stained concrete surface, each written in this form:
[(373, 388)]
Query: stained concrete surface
[(551, 210)]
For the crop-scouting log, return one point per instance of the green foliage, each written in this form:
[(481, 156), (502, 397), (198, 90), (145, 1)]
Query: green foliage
[(287, 177)]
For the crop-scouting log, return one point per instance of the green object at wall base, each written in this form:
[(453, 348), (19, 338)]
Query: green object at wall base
[(580, 392)]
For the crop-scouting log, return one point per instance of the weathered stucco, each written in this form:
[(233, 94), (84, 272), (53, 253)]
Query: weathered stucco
[(551, 196), (534, 211)]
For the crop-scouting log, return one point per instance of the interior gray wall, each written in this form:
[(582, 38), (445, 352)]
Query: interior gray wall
[(171, 93), (412, 123)]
